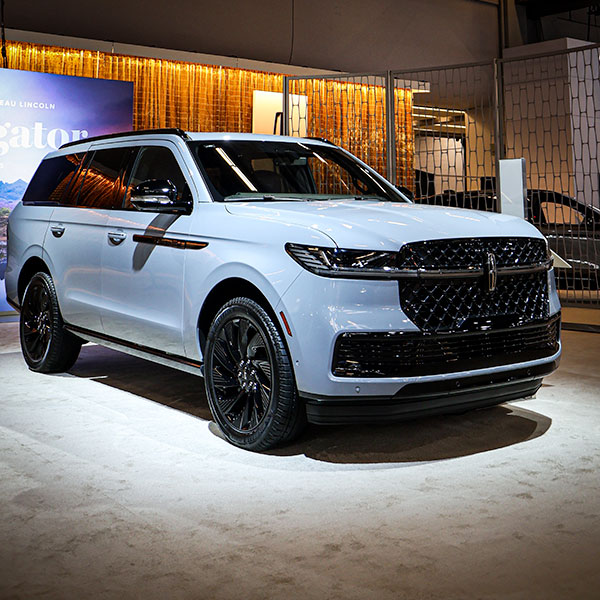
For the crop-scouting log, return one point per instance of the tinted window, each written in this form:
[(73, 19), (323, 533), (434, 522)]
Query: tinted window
[(52, 179), (157, 162), (103, 183), (559, 214), (72, 191)]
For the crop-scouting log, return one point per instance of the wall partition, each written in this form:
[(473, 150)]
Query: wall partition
[(439, 132)]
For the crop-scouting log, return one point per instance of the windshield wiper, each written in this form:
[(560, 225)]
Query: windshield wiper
[(261, 198)]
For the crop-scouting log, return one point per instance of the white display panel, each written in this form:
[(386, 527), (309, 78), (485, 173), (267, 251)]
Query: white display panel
[(266, 106), (512, 186)]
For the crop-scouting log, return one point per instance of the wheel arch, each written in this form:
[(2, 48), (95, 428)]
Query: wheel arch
[(32, 266), (226, 290)]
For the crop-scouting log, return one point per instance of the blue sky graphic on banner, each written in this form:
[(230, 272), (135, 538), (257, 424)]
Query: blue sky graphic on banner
[(38, 113)]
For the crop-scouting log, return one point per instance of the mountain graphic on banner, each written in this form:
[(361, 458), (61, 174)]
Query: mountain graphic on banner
[(11, 193)]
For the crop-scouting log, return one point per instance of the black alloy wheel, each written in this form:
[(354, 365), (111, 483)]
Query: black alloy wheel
[(249, 379), (47, 347)]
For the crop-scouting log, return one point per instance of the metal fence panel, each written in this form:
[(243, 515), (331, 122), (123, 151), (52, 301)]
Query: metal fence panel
[(440, 132), (453, 131), (552, 110)]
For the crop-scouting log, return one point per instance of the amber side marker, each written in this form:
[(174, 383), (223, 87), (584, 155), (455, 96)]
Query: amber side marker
[(171, 242), (287, 327)]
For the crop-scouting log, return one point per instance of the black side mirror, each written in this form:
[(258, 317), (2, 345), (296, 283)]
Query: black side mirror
[(406, 192), (160, 195)]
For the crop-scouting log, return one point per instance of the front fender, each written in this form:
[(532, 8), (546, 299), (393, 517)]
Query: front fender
[(271, 272)]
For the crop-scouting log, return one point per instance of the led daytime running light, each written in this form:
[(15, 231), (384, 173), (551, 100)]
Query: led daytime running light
[(339, 262)]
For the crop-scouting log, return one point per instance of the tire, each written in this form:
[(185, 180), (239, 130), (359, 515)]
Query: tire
[(249, 379), (46, 345)]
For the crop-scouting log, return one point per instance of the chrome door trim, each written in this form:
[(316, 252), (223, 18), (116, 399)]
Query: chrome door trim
[(168, 241)]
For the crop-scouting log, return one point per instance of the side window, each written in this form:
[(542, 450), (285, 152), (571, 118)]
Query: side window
[(156, 162), (72, 192), (52, 178), (103, 183), (559, 214)]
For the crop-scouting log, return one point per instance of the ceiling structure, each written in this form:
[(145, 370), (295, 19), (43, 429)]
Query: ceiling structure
[(543, 20), (341, 35), (543, 8), (347, 35)]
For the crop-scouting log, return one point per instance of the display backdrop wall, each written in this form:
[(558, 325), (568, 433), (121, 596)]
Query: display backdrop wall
[(38, 113), (167, 93)]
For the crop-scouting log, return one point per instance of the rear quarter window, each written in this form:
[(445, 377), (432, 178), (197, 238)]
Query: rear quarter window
[(52, 179)]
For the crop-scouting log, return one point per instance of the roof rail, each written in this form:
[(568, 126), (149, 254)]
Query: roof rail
[(168, 130), (319, 139)]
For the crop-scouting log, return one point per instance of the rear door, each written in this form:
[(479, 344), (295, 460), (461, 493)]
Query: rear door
[(77, 232)]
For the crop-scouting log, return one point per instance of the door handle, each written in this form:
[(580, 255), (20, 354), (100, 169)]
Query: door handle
[(116, 237), (57, 230)]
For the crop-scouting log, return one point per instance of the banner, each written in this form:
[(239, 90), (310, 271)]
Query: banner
[(38, 113)]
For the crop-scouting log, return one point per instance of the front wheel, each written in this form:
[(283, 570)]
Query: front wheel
[(249, 379), (47, 347)]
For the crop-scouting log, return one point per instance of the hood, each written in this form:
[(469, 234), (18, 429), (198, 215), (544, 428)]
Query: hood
[(384, 225)]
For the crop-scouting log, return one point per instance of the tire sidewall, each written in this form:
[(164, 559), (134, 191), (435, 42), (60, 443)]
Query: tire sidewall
[(247, 309), (63, 348), (37, 279)]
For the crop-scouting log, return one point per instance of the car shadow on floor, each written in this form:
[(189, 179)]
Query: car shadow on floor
[(423, 439)]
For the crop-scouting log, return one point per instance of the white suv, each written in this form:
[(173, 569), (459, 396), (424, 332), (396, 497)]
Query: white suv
[(299, 282)]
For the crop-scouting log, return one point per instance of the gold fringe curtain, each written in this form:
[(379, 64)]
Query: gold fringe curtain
[(167, 93), (405, 141), (198, 97)]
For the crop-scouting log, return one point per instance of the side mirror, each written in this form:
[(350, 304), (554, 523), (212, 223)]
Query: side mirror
[(406, 192), (160, 195)]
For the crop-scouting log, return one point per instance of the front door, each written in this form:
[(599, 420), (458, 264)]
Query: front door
[(142, 264)]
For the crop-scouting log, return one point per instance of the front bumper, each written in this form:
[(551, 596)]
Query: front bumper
[(423, 399), (321, 310)]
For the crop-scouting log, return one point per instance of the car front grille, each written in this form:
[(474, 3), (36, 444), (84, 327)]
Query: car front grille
[(468, 253), (462, 300), (477, 302), (411, 354), (464, 305)]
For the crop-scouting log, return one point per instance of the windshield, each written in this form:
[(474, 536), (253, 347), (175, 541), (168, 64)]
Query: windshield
[(257, 170)]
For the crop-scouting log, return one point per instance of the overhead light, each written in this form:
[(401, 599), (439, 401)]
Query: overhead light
[(436, 109)]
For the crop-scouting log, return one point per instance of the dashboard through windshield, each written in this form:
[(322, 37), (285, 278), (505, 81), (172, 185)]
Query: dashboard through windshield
[(266, 170)]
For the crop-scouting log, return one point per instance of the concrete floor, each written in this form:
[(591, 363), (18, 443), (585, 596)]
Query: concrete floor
[(114, 484)]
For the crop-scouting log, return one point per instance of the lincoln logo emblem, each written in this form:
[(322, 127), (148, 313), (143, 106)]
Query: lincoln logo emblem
[(491, 272)]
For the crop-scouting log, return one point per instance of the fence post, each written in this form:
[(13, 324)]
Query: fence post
[(286, 106), (390, 126), (498, 115)]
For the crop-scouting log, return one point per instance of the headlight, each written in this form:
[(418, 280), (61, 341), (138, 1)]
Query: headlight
[(337, 262)]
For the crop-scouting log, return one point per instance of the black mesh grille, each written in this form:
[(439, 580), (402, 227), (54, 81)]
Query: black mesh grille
[(468, 253), (410, 354), (466, 304), (456, 305)]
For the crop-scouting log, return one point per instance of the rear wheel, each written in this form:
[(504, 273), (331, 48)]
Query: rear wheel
[(47, 347), (249, 379)]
